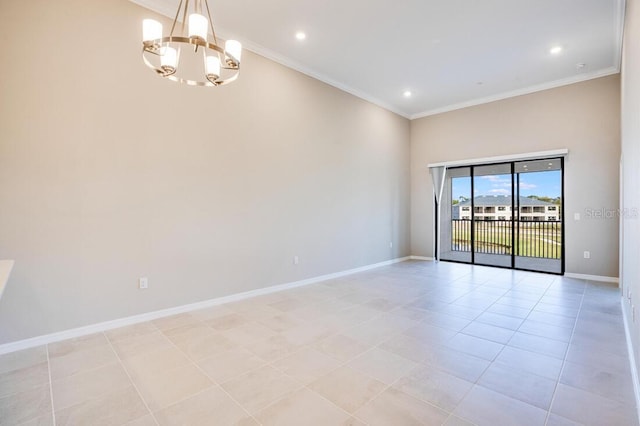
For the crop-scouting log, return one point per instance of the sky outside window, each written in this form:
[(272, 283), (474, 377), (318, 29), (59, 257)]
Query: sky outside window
[(541, 184)]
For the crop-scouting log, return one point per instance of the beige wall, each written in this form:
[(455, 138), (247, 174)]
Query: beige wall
[(630, 275), (582, 117), (108, 173)]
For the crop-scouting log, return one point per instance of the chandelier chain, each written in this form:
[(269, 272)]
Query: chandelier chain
[(173, 26), (213, 30), (184, 17)]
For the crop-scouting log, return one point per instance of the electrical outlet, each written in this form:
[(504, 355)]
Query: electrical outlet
[(296, 260), (143, 283), (576, 216), (587, 255), (390, 244)]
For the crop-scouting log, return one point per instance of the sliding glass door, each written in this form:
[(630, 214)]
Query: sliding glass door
[(492, 208), (507, 215), (539, 230)]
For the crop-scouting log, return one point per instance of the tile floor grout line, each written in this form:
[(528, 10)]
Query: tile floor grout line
[(548, 410), (131, 380), (475, 383), (345, 364), (529, 334), (303, 385), (306, 386), (339, 407), (564, 360), (192, 361), (389, 386), (53, 410), (537, 302), (87, 370)]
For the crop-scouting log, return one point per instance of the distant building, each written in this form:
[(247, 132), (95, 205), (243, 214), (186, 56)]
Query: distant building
[(498, 207)]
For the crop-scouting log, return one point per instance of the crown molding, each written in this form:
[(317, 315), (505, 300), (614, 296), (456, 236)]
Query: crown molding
[(296, 66), (621, 7), (519, 92)]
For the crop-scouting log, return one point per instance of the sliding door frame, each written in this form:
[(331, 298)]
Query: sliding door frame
[(515, 213), (473, 214), (515, 236), (562, 258)]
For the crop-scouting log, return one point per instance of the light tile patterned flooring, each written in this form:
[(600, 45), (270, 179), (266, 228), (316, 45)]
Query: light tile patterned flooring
[(414, 343)]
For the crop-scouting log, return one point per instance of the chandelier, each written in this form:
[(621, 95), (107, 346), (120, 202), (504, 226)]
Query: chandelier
[(190, 57)]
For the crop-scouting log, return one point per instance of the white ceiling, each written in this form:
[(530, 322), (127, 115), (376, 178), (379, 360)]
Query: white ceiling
[(448, 53)]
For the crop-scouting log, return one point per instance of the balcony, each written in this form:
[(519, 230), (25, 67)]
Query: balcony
[(533, 239)]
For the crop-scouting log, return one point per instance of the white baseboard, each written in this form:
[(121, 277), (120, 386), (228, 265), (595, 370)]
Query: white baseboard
[(148, 316), (632, 359), (420, 258), (592, 277)]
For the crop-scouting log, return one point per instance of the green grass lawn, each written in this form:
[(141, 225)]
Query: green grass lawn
[(537, 240)]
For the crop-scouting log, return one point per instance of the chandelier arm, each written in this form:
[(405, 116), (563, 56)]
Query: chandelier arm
[(184, 16), (175, 20), (213, 30)]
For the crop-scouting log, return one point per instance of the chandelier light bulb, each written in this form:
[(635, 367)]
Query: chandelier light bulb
[(198, 26), (169, 60), (151, 30), (233, 50), (212, 68)]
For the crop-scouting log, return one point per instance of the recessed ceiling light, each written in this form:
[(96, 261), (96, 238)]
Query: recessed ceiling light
[(301, 36), (407, 93), (556, 50)]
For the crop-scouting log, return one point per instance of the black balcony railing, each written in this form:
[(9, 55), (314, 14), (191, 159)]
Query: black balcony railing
[(542, 239)]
